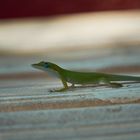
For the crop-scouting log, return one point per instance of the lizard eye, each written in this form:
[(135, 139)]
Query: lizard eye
[(46, 65)]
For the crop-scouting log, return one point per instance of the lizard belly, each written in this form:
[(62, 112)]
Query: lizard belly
[(82, 80)]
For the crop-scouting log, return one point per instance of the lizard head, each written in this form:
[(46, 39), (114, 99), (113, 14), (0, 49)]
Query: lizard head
[(45, 65), (41, 65)]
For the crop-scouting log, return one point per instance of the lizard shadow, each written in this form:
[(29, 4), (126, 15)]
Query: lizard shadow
[(99, 85)]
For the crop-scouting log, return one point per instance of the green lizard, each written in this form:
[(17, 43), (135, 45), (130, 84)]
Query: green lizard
[(82, 78)]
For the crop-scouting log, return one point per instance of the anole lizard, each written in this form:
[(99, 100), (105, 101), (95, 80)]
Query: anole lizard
[(82, 78)]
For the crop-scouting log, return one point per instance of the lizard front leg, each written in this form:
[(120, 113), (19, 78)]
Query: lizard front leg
[(62, 89)]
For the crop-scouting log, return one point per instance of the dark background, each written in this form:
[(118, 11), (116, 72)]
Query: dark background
[(41, 8)]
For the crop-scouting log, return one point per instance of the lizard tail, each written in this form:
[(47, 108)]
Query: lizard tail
[(124, 78)]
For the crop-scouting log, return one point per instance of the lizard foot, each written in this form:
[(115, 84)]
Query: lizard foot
[(115, 85), (58, 90)]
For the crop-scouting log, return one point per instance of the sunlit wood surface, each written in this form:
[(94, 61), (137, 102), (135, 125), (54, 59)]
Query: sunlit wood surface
[(29, 111)]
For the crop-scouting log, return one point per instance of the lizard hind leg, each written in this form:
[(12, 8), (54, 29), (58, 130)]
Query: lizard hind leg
[(115, 85)]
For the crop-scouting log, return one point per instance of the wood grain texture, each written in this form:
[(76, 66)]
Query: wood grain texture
[(109, 122)]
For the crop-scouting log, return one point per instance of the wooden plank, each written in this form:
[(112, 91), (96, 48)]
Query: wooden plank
[(109, 122), (36, 95)]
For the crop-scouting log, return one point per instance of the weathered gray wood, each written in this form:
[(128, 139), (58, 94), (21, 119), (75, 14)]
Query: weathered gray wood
[(109, 122), (78, 122), (36, 95)]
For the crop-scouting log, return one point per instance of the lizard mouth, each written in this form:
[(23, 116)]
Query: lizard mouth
[(34, 65), (37, 66)]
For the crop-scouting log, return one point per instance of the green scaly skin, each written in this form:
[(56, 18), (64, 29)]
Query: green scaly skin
[(82, 78)]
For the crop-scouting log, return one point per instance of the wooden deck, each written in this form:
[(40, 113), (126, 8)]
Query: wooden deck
[(29, 111), (99, 123)]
